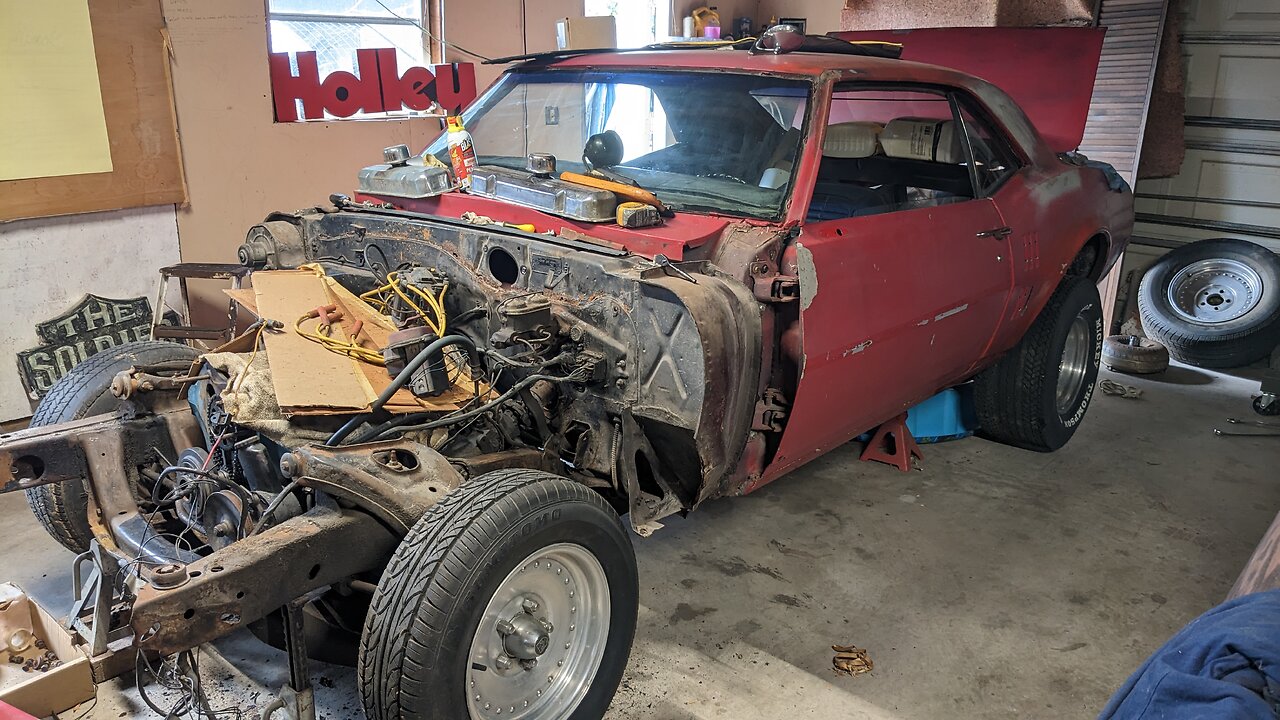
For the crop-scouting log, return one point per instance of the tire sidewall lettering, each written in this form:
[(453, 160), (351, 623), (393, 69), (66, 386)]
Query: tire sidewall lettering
[(541, 521)]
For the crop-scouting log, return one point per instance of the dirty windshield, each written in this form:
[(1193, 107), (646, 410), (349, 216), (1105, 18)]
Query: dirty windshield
[(703, 142)]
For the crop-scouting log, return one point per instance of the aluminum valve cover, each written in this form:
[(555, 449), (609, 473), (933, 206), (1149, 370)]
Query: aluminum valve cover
[(407, 181), (544, 193)]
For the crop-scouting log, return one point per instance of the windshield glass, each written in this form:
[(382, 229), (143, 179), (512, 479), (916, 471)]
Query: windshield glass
[(709, 142)]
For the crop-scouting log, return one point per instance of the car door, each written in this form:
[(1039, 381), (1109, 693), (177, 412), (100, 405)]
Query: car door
[(900, 298)]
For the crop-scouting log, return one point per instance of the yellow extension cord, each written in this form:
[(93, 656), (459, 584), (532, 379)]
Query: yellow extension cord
[(375, 300)]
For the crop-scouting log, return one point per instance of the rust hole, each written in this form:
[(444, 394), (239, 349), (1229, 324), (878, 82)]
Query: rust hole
[(229, 618), (27, 469), (397, 460), (503, 266)]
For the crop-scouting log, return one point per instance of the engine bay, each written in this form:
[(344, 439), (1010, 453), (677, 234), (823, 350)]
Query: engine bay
[(513, 350)]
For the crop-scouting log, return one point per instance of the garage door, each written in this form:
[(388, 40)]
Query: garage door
[(1227, 185)]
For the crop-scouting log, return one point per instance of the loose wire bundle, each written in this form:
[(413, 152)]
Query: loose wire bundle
[(322, 334), (380, 300)]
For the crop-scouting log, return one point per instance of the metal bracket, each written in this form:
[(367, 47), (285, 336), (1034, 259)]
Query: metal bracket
[(776, 288), (96, 590), (771, 411)]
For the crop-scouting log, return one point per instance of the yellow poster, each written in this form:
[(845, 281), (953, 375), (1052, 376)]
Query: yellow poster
[(51, 118)]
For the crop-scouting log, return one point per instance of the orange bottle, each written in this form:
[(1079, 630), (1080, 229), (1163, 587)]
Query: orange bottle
[(462, 152)]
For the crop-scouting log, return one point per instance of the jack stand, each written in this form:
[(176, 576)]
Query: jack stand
[(94, 595), (892, 444), (297, 699)]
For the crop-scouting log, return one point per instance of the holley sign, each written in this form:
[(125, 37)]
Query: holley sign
[(380, 86)]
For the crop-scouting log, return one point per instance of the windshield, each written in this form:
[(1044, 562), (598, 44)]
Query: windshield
[(710, 142)]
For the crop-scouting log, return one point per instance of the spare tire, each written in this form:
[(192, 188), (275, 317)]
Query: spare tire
[(1214, 303), (1133, 354), (63, 508)]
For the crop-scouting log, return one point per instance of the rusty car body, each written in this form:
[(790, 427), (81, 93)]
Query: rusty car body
[(697, 358)]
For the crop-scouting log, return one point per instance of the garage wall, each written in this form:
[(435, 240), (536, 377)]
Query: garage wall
[(1231, 51), (52, 262), (239, 163), (827, 15), (500, 28), (823, 15)]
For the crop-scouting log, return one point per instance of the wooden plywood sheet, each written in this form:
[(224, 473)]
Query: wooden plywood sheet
[(137, 102), (244, 297), (310, 379)]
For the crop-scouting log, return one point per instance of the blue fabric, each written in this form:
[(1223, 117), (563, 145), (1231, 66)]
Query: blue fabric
[(1225, 664)]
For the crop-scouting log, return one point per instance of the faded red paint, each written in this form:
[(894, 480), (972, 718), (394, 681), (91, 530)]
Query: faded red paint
[(896, 306), (1049, 72)]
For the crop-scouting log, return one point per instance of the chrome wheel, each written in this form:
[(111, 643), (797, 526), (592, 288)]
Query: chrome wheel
[(541, 637), (1216, 290), (1074, 365)]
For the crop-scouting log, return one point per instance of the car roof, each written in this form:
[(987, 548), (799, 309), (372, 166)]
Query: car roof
[(797, 63)]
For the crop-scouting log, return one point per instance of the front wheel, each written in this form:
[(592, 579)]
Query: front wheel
[(514, 597), (1037, 394)]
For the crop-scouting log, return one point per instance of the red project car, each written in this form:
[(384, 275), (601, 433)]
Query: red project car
[(676, 275)]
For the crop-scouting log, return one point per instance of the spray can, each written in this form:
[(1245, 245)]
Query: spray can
[(462, 152)]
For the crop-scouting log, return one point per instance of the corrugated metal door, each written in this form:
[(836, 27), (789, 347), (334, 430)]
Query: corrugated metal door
[(1228, 185)]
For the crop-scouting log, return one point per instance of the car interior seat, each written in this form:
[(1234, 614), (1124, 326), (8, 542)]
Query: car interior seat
[(835, 196)]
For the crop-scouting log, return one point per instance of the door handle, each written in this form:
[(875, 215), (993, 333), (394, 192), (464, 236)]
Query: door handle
[(999, 233)]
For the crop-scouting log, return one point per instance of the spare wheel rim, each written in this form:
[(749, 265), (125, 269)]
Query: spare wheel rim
[(1214, 291)]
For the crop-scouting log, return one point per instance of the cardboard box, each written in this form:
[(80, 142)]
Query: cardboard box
[(41, 693), (586, 33)]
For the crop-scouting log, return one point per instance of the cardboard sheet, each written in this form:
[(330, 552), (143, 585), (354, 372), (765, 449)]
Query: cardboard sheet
[(244, 297), (311, 380), (52, 122)]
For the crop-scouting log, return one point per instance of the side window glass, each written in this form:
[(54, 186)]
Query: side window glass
[(992, 157), (888, 150)]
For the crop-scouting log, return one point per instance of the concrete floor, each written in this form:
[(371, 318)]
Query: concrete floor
[(992, 583)]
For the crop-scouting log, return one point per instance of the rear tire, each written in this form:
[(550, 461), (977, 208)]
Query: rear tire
[(1036, 395), (509, 575), (63, 508)]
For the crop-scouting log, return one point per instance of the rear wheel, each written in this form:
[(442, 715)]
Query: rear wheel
[(1037, 394), (515, 596), (63, 508)]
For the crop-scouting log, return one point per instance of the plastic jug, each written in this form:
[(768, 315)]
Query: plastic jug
[(706, 21)]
